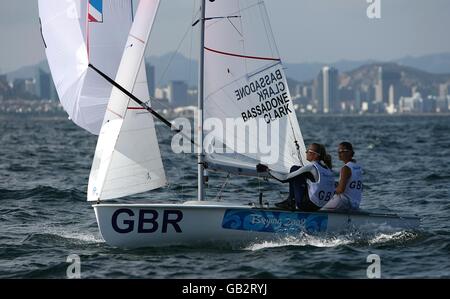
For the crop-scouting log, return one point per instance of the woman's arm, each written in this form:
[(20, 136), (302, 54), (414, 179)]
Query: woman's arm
[(286, 177), (344, 176)]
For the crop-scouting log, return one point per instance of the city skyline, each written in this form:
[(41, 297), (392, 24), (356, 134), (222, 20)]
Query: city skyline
[(371, 88), (406, 28)]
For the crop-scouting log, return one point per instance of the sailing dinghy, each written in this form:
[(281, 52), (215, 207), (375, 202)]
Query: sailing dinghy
[(241, 78)]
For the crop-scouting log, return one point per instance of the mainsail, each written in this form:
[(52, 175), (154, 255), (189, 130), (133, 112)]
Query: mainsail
[(127, 158), (245, 85), (77, 32)]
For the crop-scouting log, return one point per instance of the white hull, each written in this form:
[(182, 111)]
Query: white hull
[(149, 225)]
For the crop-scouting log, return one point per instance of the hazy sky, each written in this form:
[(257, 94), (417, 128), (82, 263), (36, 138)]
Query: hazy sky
[(305, 30)]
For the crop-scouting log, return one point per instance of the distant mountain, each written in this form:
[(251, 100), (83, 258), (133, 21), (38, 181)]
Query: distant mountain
[(175, 66), (168, 67), (435, 63), (425, 82), (309, 71), (409, 75), (180, 67), (28, 71)]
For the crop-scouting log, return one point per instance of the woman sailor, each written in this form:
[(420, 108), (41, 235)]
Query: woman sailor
[(349, 190), (310, 186)]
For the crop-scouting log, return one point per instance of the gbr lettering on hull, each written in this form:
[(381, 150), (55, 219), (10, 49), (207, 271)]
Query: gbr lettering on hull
[(125, 221)]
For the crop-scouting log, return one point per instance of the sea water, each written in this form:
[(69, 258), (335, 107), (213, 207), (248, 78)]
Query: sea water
[(44, 169)]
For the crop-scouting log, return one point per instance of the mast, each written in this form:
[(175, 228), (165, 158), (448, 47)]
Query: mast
[(201, 190)]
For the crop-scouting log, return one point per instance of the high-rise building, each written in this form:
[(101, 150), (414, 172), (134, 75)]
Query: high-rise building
[(411, 104), (178, 95), (4, 79), (388, 86), (44, 84), (358, 101), (326, 86), (442, 104), (150, 70), (443, 90), (24, 86), (3, 86), (391, 101), (307, 92), (318, 92)]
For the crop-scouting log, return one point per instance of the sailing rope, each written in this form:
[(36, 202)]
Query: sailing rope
[(270, 35), (259, 189), (219, 194), (164, 73)]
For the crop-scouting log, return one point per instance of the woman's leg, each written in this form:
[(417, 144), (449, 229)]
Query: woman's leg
[(338, 202), (307, 205), (297, 187)]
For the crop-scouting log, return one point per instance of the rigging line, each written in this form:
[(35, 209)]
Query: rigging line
[(190, 44), (212, 18), (259, 189), (228, 18), (173, 56), (170, 61), (242, 41), (134, 98), (297, 145), (272, 36), (184, 158), (235, 13), (266, 24), (219, 194), (263, 9), (174, 188), (269, 34), (182, 179)]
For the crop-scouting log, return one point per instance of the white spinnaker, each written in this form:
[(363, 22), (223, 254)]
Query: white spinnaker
[(127, 158), (72, 42), (245, 82)]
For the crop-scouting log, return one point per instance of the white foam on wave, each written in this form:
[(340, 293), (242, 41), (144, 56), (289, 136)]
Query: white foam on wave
[(391, 237), (335, 240), (84, 237), (301, 241)]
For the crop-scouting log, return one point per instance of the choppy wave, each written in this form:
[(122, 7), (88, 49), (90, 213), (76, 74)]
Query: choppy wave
[(45, 167), (356, 238), (43, 193), (304, 240), (59, 234), (393, 238)]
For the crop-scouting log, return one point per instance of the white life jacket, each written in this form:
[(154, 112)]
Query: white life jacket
[(353, 190), (321, 191)]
